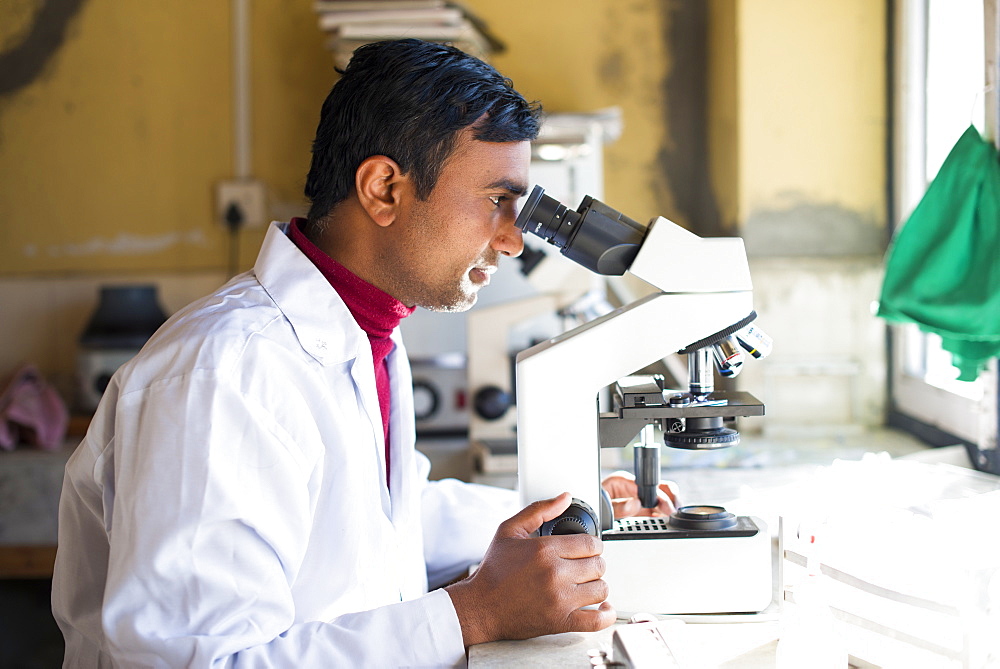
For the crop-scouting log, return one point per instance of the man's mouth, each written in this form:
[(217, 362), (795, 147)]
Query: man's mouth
[(481, 275)]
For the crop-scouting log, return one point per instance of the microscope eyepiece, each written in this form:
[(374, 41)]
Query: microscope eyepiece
[(546, 217), (596, 236)]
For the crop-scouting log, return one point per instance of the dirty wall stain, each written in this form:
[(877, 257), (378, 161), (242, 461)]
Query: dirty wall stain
[(124, 244), (23, 61)]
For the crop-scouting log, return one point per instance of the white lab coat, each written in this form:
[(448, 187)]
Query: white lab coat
[(228, 506)]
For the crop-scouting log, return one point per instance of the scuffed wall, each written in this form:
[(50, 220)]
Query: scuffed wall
[(759, 117), (30, 36), (810, 132), (685, 157), (116, 122), (812, 127), (588, 55)]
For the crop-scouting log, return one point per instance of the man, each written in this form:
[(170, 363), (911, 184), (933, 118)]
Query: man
[(248, 493)]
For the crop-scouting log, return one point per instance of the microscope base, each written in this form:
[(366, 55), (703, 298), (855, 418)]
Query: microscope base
[(695, 575)]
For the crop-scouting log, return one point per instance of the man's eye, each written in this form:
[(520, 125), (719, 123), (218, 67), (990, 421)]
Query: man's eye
[(497, 199)]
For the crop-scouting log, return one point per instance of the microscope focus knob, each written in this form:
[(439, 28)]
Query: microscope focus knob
[(578, 518), (492, 402)]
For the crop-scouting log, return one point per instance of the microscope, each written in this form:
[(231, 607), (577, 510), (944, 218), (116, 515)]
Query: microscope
[(702, 559), (567, 295)]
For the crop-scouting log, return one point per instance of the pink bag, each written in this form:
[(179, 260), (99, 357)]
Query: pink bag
[(31, 412)]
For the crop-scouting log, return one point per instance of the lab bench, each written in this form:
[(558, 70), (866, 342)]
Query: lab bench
[(30, 484), (909, 567)]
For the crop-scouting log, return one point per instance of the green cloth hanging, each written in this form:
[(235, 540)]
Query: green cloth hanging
[(943, 268)]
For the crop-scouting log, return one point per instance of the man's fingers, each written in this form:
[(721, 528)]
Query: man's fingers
[(666, 503), (531, 517), (592, 620), (672, 491), (621, 487), (574, 546), (585, 570), (626, 507), (591, 592)]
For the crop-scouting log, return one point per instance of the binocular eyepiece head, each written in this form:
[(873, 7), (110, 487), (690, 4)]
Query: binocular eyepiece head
[(603, 240)]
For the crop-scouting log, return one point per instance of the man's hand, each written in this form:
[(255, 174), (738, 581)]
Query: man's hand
[(625, 496), (529, 586)]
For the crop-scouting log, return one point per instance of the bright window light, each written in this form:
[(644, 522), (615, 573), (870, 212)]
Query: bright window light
[(955, 100)]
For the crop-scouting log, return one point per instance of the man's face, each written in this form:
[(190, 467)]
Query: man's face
[(448, 245)]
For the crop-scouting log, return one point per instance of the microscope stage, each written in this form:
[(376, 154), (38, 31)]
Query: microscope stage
[(659, 528)]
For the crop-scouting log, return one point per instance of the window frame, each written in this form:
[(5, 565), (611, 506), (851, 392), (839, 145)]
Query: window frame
[(935, 415)]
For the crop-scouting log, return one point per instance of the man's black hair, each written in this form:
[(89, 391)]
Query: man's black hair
[(408, 99)]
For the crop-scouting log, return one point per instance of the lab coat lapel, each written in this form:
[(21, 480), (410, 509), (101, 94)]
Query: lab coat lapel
[(312, 313), (363, 373)]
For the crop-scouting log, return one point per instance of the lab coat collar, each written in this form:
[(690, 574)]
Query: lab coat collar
[(319, 319), (314, 309)]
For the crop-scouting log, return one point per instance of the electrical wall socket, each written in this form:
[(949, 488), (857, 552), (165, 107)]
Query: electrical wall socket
[(250, 198)]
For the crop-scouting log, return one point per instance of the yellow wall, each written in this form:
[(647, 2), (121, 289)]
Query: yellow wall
[(812, 103), (723, 109), (108, 159), (811, 124), (585, 55)]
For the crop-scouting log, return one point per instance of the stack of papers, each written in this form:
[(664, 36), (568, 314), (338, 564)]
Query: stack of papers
[(352, 23)]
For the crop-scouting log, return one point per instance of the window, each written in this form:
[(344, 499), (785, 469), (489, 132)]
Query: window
[(939, 90)]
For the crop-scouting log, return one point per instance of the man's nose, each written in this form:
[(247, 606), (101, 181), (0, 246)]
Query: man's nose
[(509, 239)]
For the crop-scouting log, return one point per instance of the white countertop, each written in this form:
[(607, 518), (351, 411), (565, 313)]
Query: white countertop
[(723, 645), (752, 645)]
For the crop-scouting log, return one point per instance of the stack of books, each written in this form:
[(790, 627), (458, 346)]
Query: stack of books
[(351, 23)]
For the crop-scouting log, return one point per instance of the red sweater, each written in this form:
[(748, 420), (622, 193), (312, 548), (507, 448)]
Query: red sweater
[(377, 312)]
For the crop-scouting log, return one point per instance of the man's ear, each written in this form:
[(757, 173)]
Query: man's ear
[(379, 181)]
